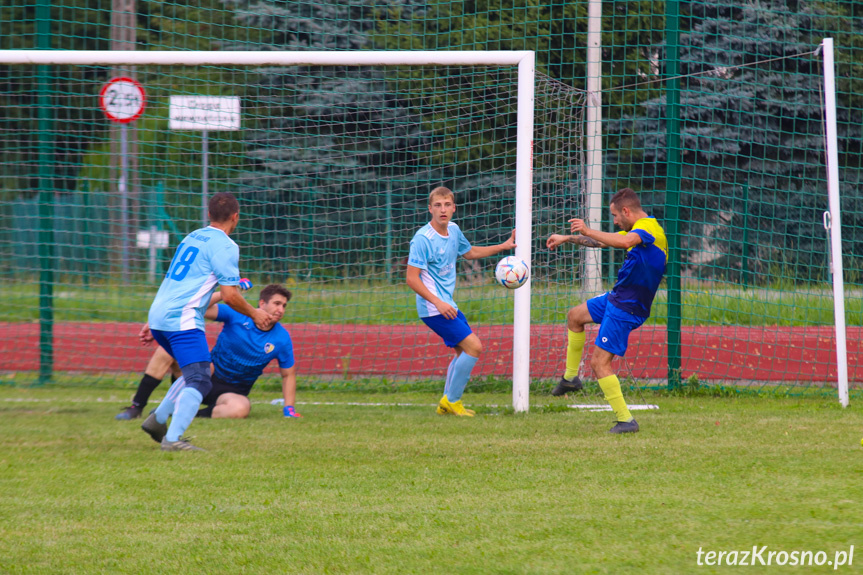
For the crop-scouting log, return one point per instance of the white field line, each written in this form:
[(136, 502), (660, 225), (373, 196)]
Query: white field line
[(581, 406)]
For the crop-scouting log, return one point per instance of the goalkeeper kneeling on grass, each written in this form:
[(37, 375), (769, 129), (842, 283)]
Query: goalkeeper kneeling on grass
[(621, 310), (241, 353), (431, 273)]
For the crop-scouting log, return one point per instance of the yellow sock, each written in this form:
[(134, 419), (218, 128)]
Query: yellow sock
[(614, 396), (574, 347)]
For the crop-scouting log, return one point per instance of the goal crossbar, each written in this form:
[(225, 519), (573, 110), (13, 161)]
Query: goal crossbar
[(265, 58), (524, 60)]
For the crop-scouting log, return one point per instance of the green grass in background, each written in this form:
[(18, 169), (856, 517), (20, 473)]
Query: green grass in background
[(397, 489)]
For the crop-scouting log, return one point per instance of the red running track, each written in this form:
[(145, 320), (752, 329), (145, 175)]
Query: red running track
[(765, 353)]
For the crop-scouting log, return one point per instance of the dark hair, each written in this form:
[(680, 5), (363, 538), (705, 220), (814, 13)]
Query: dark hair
[(222, 206), (442, 192), (626, 198), (274, 289)]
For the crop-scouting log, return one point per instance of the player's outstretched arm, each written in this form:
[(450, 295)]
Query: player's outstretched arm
[(231, 295), (555, 240), (479, 252), (212, 312), (623, 241), (415, 283)]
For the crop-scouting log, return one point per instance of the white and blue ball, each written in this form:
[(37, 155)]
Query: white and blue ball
[(511, 272)]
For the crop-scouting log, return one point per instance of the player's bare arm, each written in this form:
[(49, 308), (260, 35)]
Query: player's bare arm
[(613, 240), (479, 252), (231, 295), (555, 240), (289, 384), (415, 283), (212, 311)]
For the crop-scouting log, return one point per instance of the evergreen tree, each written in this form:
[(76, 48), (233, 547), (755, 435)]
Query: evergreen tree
[(752, 140)]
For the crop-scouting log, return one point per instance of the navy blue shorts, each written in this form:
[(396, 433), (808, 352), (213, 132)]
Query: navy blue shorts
[(614, 324), (221, 387), (189, 346), (452, 331)]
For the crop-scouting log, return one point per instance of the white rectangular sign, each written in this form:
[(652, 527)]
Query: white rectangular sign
[(204, 113), (158, 239)]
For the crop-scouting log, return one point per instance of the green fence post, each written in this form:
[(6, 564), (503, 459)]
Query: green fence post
[(744, 259), (46, 206), (611, 253), (389, 235), (672, 194), (85, 235)]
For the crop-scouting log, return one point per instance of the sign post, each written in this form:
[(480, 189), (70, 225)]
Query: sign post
[(203, 114), (123, 101), (152, 239)]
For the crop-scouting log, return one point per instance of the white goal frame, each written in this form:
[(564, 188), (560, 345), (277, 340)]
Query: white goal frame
[(524, 60)]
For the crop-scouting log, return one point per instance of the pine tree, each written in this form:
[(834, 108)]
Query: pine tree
[(752, 140)]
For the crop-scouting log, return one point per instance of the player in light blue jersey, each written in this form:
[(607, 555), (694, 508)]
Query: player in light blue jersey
[(621, 310), (241, 353), (206, 258), (431, 273)]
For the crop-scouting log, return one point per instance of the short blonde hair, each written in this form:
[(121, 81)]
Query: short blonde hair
[(442, 192)]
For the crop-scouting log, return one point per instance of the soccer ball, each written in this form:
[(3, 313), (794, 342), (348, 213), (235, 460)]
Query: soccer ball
[(511, 272)]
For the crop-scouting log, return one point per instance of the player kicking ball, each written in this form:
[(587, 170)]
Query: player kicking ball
[(205, 259), (621, 310), (431, 273)]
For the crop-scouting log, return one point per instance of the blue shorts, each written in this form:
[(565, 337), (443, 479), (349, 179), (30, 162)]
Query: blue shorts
[(452, 331), (614, 324), (189, 346)]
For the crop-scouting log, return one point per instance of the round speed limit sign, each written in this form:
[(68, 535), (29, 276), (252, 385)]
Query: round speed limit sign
[(122, 100)]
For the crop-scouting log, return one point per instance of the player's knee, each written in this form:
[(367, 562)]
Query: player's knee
[(573, 316), (600, 363), (472, 346), (243, 407), (198, 377), (237, 407)]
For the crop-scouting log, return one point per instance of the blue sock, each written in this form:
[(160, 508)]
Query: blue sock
[(166, 408), (449, 376), (187, 407), (460, 374)]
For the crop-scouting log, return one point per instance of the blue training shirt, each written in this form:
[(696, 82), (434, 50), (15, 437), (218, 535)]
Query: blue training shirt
[(436, 256), (242, 350), (642, 270), (204, 259)]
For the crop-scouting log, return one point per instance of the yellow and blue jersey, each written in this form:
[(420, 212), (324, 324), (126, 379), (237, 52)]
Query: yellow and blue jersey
[(642, 270)]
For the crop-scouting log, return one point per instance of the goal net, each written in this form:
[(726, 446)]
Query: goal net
[(332, 165)]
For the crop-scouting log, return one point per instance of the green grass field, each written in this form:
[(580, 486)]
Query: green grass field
[(397, 489), (489, 304)]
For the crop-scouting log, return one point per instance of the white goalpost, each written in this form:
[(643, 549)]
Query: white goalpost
[(833, 222), (523, 60)]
